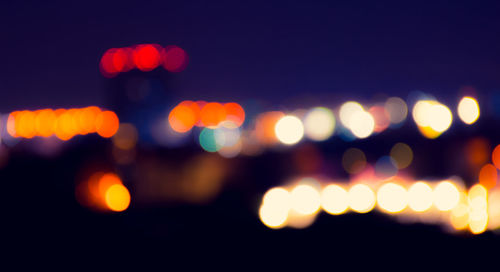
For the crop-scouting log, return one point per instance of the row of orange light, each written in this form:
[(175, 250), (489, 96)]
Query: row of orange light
[(104, 192), (145, 57), (445, 202), (187, 114), (63, 123)]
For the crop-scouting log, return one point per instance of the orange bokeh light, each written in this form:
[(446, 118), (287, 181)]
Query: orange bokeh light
[(488, 176), (146, 57), (235, 113), (104, 191), (107, 124), (495, 156), (117, 198), (63, 123), (182, 118), (212, 114), (45, 122), (25, 124)]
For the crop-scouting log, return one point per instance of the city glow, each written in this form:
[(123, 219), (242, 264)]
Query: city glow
[(319, 124), (289, 130), (468, 110), (334, 199), (361, 198), (392, 197)]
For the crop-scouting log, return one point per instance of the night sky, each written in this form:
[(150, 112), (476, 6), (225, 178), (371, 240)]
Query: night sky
[(268, 50)]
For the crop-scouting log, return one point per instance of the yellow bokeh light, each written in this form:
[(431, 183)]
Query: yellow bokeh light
[(441, 118), (300, 221), (392, 197), (468, 110), (117, 197), (319, 124), (274, 217), (421, 112), (478, 221), (432, 114), (347, 110), (446, 196), (277, 197), (334, 199), (420, 197), (459, 217), (361, 124), (289, 130), (305, 199), (361, 198), (494, 209)]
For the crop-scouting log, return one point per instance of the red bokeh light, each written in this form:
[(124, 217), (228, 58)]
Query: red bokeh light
[(174, 59), (146, 57)]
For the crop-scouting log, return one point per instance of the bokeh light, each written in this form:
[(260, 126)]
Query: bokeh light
[(347, 110), (468, 110), (392, 197), (117, 197), (446, 196), (235, 113), (275, 207), (420, 197), (212, 114), (361, 198), (107, 124), (396, 109), (495, 156), (334, 199), (174, 59), (488, 176), (209, 141), (361, 124), (126, 137), (289, 130), (319, 124), (402, 155), (305, 199), (182, 118), (146, 57)]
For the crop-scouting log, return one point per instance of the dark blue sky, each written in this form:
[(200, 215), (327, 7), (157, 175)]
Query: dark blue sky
[(275, 51)]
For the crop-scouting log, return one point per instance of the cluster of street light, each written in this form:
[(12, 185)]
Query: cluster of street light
[(444, 202), (62, 123)]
